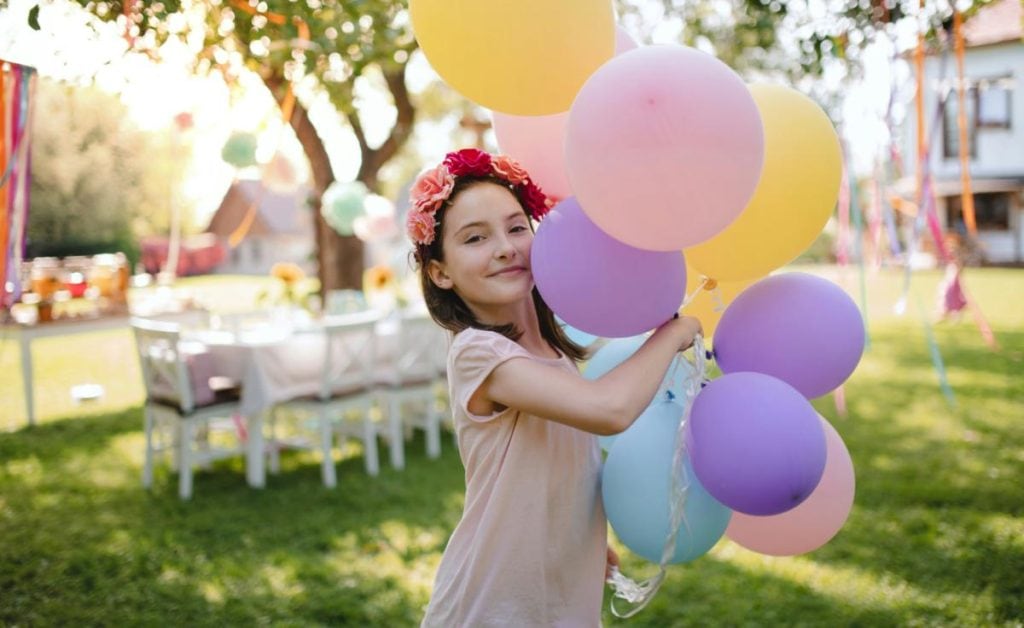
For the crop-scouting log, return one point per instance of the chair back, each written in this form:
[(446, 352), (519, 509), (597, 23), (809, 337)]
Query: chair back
[(164, 371), (423, 348), (350, 360)]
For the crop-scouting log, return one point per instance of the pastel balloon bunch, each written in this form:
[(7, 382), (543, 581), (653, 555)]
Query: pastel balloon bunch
[(657, 152)]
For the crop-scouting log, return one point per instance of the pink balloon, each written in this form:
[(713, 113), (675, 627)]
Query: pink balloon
[(623, 40), (537, 142), (664, 147), (815, 521)]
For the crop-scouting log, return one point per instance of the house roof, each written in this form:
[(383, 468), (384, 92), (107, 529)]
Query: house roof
[(995, 23), (280, 214)]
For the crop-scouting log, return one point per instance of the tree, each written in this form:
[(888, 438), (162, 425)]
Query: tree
[(92, 189), (794, 38), (325, 46)]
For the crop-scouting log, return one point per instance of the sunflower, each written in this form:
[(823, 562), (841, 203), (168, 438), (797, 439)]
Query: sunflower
[(378, 278), (287, 272)]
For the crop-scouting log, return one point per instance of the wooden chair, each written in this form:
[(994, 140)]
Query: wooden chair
[(183, 399), (411, 381), (346, 387)]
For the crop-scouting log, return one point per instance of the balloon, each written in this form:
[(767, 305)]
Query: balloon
[(581, 338), (598, 284), (538, 142), (799, 185), (240, 150), (814, 522), (527, 58), (664, 147), (756, 444), (709, 305), (635, 487), (624, 42), (800, 328), (342, 204), (617, 351)]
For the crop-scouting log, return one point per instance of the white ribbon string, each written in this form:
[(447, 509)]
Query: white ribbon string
[(641, 593)]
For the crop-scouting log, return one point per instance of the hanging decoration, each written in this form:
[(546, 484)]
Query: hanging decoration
[(17, 91)]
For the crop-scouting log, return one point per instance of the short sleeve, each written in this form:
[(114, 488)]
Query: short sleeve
[(474, 355)]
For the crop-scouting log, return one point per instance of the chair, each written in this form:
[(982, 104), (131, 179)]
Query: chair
[(346, 385), (182, 394), (413, 377)]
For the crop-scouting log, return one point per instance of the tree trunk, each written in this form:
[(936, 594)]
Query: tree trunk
[(340, 258)]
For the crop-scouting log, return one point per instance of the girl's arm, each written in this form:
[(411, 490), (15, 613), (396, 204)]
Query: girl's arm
[(607, 405)]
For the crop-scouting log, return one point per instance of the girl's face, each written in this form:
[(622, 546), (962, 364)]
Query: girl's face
[(486, 238)]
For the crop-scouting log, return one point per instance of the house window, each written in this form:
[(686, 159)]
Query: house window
[(950, 125), (995, 103), (991, 212)]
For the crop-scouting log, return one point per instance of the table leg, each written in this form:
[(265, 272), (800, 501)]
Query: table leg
[(26, 377), (255, 473)]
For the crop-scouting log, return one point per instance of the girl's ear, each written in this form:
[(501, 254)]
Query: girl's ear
[(435, 270)]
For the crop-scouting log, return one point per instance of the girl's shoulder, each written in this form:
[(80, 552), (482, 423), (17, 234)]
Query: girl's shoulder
[(482, 342)]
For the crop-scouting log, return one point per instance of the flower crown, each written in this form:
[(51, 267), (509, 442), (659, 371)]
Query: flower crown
[(434, 187)]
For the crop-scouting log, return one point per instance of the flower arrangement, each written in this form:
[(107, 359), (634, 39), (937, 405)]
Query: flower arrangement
[(291, 278), (434, 187)]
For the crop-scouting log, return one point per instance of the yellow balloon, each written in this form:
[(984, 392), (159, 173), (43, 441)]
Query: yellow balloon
[(796, 195), (710, 303), (522, 57)]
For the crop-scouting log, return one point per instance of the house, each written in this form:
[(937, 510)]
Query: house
[(994, 72), (282, 229)]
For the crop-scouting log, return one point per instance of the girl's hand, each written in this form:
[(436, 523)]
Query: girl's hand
[(689, 328), (612, 562)]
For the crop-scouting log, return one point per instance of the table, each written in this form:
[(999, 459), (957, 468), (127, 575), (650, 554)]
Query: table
[(25, 334), (273, 364)]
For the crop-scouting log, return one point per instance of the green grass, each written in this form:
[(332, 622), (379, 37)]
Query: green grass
[(936, 536)]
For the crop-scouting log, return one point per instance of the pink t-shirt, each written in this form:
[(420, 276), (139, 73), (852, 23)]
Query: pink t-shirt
[(530, 549)]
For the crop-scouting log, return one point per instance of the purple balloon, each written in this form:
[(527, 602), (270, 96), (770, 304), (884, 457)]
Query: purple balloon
[(756, 444), (800, 328), (598, 284)]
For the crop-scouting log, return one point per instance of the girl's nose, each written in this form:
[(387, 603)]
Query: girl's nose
[(505, 249)]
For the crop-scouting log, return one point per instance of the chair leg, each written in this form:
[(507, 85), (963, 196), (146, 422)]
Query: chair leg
[(147, 467), (433, 428), (370, 456), (326, 441), (395, 429), (273, 447), (185, 459)]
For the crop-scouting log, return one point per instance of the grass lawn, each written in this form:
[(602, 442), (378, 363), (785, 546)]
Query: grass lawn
[(936, 536)]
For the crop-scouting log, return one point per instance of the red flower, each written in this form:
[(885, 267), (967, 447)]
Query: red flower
[(535, 200), (468, 162)]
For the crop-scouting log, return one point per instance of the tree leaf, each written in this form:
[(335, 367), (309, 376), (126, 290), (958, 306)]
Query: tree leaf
[(33, 18)]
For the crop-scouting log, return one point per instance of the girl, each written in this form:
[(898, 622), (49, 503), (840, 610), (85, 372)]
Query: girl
[(531, 547)]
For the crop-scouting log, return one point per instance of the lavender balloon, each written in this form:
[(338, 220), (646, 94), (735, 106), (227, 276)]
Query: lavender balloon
[(598, 284), (800, 328), (756, 444)]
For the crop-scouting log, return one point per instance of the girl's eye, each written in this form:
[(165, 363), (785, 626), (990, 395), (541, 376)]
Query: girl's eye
[(518, 228), (474, 238)]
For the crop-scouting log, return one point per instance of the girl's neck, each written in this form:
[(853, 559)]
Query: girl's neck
[(524, 317)]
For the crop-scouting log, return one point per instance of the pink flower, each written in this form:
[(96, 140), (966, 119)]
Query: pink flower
[(509, 169), (431, 189), (468, 162), (420, 226)]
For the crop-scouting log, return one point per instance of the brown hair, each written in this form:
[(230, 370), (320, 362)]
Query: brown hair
[(451, 312)]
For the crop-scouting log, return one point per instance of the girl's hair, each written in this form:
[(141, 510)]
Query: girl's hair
[(451, 312)]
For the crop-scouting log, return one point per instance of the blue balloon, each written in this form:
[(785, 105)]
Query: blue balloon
[(617, 351), (581, 338), (636, 485)]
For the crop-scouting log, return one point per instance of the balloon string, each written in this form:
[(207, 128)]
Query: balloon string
[(641, 593), (705, 282)]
